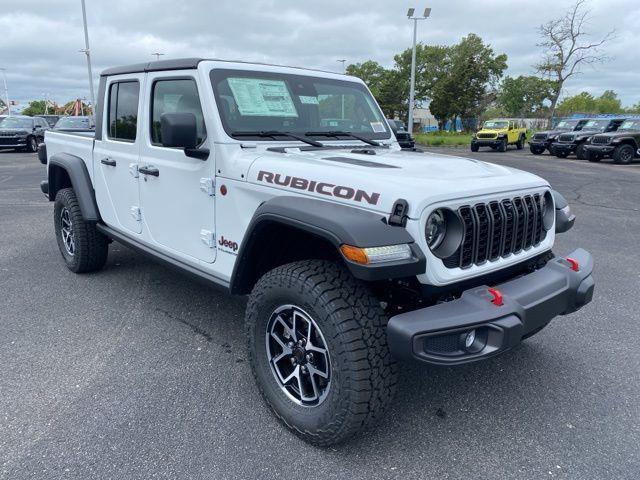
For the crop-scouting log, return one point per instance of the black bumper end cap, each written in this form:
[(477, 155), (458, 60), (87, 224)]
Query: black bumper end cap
[(44, 187)]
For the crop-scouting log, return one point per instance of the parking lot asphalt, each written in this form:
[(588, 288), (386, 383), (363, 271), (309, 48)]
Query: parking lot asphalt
[(140, 372)]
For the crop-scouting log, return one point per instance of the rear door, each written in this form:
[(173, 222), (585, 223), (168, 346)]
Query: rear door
[(177, 198), (116, 155)]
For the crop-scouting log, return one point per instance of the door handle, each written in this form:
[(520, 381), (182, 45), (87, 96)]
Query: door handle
[(149, 170), (108, 161)]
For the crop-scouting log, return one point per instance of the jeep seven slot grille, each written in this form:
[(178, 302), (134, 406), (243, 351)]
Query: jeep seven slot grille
[(540, 136), (498, 229), (486, 135), (601, 139), (566, 138)]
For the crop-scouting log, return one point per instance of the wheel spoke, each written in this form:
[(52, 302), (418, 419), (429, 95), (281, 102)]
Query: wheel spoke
[(314, 371), (294, 374), (286, 327)]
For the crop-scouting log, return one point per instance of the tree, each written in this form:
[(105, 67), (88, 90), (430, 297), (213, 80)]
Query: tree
[(584, 102), (567, 48), (370, 72), (35, 107), (524, 96), (609, 102)]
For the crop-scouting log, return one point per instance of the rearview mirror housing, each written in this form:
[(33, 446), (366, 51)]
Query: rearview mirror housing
[(179, 130)]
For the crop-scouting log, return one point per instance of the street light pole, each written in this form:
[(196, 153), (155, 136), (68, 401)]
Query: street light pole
[(342, 61), (158, 55), (87, 51), (412, 87), (6, 91)]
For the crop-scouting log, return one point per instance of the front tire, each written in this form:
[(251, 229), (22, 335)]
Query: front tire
[(32, 144), (623, 154), (83, 248), (594, 157), (503, 146), (350, 377), (581, 152), (474, 147), (536, 150), (520, 143), (562, 153)]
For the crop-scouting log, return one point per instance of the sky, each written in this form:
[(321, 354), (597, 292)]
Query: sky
[(40, 39)]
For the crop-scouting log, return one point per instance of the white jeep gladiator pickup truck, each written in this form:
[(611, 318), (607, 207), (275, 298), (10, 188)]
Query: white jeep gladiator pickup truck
[(287, 185)]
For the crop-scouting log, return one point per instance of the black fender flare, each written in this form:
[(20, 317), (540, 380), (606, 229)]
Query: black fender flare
[(564, 218), (80, 181), (338, 224)]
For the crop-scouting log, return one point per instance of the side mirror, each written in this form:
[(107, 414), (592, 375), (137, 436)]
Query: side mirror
[(179, 130)]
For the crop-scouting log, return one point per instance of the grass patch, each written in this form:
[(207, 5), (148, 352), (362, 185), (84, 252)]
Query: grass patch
[(434, 139)]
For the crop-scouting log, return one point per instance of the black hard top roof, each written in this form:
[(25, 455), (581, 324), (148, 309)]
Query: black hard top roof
[(180, 64)]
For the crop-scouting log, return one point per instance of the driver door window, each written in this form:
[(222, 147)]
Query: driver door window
[(175, 96)]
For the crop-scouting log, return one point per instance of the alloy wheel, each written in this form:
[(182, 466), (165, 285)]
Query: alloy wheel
[(66, 230), (298, 355)]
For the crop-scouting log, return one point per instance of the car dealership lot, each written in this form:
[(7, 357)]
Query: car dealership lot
[(141, 372)]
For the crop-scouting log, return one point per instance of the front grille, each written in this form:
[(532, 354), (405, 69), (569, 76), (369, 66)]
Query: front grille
[(8, 141), (498, 229), (486, 135), (601, 139), (7, 134), (540, 136), (566, 138)]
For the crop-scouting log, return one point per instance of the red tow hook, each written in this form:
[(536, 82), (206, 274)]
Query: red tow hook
[(574, 264), (497, 297)]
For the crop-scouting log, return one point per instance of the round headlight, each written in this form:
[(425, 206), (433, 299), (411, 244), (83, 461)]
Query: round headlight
[(548, 210), (435, 229)]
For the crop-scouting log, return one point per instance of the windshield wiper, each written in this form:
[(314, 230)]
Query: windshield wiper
[(274, 134), (337, 134)]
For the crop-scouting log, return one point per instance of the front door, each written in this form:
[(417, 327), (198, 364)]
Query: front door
[(116, 154), (176, 191)]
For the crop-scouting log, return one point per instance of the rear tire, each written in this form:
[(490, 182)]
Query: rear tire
[(362, 374), (623, 154), (83, 248)]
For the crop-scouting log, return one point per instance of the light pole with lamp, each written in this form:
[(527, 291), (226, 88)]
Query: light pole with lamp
[(6, 91), (87, 52), (158, 55), (412, 88)]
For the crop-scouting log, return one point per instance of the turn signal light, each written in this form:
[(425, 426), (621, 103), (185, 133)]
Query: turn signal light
[(355, 254), (374, 255)]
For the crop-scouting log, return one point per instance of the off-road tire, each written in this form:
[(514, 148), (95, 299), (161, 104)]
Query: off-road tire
[(90, 246), (623, 154), (520, 143), (536, 150), (594, 157), (503, 146), (32, 144), (474, 147), (581, 152), (561, 154), (363, 372)]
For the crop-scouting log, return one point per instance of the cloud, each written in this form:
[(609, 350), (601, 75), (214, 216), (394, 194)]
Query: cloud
[(41, 40)]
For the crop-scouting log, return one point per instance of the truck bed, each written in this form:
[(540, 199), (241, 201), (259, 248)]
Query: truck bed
[(79, 144)]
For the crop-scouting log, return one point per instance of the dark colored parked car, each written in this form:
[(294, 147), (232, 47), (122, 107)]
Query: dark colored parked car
[(544, 140), (75, 124), (575, 142), (405, 139), (22, 133), (51, 119), (623, 145)]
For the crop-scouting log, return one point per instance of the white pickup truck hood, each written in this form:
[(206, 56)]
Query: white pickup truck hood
[(375, 182)]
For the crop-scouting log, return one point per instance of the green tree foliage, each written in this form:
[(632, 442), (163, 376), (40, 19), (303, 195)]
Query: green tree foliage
[(584, 102), (457, 79), (35, 107), (524, 96)]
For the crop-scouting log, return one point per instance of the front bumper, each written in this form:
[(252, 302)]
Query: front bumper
[(564, 147), (540, 143), (437, 334), (487, 142), (600, 149)]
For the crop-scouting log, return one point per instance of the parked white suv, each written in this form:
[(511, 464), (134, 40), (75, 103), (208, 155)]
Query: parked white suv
[(287, 185)]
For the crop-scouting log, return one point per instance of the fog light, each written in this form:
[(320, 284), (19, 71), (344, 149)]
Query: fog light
[(469, 339)]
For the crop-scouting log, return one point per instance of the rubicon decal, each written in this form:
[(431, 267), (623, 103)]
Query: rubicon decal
[(228, 244), (329, 189)]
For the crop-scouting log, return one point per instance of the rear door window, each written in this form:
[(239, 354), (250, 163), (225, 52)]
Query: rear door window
[(123, 110)]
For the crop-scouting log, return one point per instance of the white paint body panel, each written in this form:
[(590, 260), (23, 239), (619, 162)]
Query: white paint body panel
[(175, 211)]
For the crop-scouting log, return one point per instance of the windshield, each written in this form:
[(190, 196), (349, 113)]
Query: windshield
[(495, 124), (250, 101), (14, 122), (630, 125), (73, 122), (567, 125), (596, 125)]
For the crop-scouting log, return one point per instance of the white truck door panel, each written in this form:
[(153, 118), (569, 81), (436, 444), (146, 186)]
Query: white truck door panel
[(178, 203), (116, 156)]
